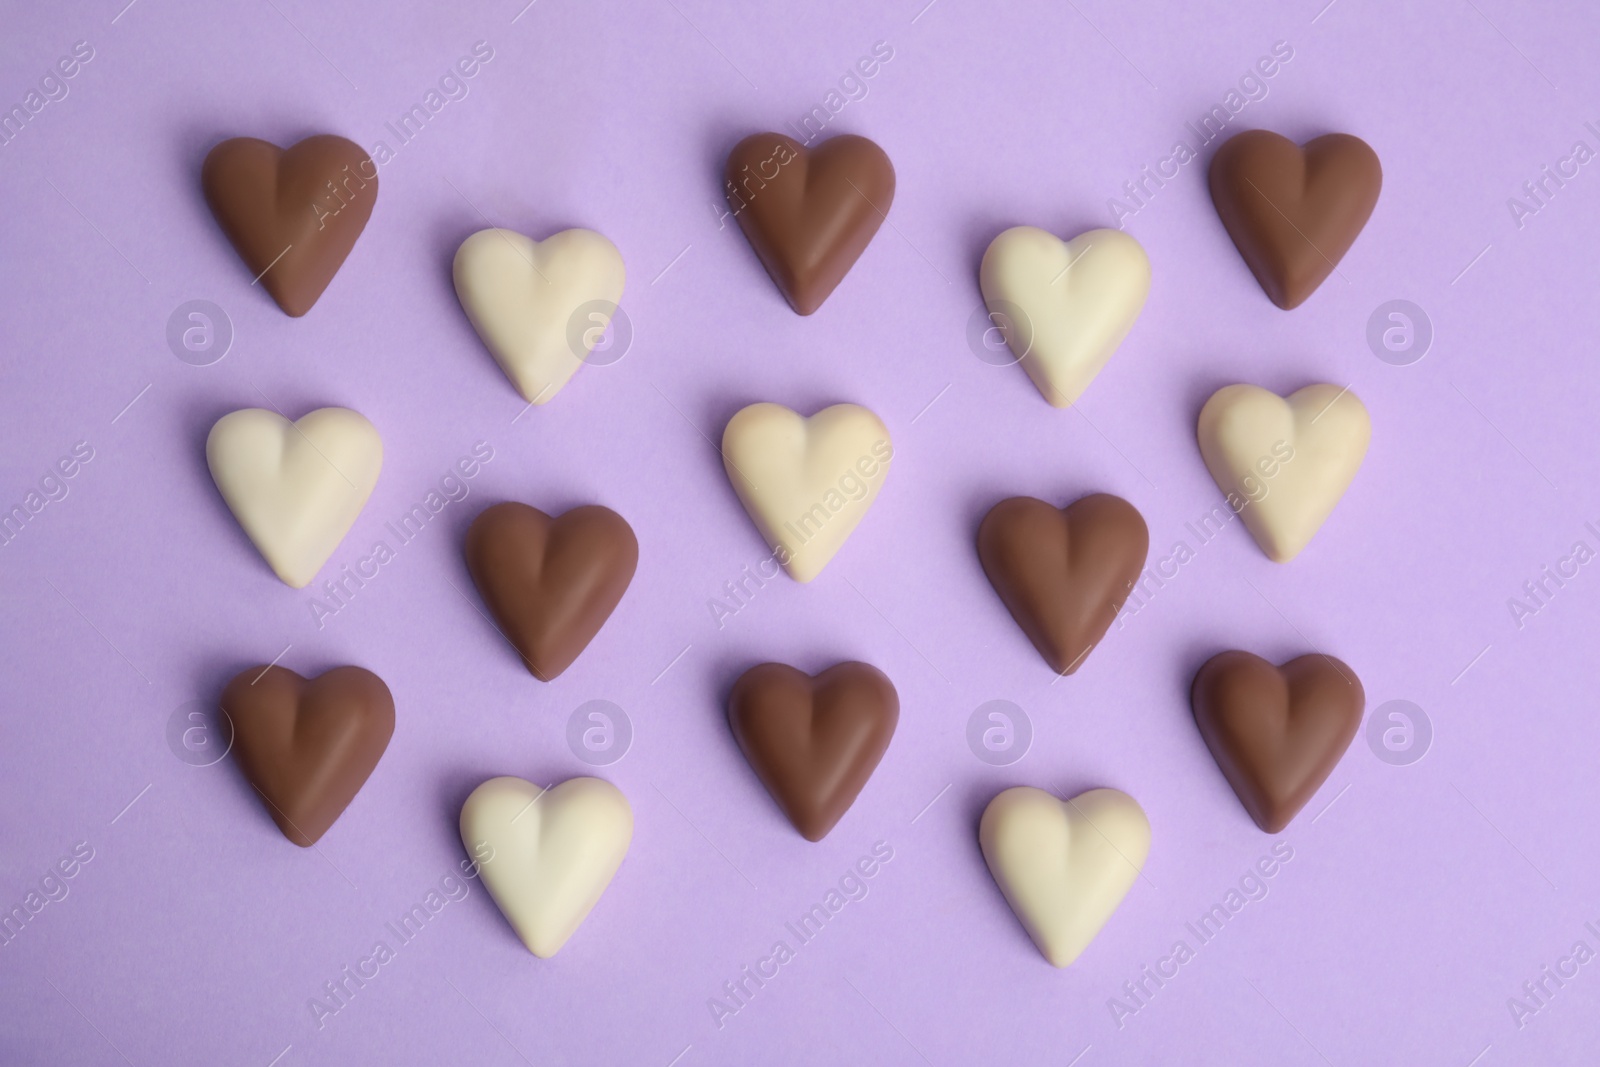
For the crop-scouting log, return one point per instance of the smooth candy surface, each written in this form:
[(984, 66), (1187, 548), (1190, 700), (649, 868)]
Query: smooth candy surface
[(1294, 212), (813, 741), (808, 213), (806, 482), (308, 746), (1276, 732), (530, 301), (550, 583), (1064, 306), (546, 856), (1063, 573), (1064, 865), (292, 214), (295, 487), (1283, 463)]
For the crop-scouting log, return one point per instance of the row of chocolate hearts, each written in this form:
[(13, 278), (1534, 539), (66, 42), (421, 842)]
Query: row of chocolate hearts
[(540, 306), (546, 856), (297, 488)]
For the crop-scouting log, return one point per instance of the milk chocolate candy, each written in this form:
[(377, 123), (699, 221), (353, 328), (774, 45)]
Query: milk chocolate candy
[(1294, 212), (1276, 732), (1063, 573), (308, 746), (550, 583), (813, 742), (292, 214), (808, 213)]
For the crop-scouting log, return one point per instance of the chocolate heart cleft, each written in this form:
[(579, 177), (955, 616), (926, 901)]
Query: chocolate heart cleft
[(550, 583), (808, 213), (308, 746), (813, 742), (292, 214), (1063, 573), (1294, 212), (1276, 732)]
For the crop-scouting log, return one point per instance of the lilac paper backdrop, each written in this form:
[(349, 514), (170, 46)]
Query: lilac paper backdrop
[(1419, 897)]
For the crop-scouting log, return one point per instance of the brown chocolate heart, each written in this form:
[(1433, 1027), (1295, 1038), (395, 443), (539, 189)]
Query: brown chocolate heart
[(1276, 732), (813, 742), (1293, 213), (809, 214), (292, 214), (550, 583), (308, 746), (1063, 573)]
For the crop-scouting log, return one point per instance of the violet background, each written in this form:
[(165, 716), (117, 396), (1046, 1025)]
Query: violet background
[(1414, 906)]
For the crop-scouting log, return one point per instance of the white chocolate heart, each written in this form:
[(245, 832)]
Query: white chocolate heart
[(539, 306), (807, 482), (546, 855), (1283, 464), (295, 487), (1064, 306), (1064, 866)]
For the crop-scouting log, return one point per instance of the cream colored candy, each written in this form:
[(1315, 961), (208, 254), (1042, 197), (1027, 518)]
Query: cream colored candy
[(807, 482), (295, 487), (530, 301), (1283, 464), (1064, 306), (546, 855), (1064, 866)]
